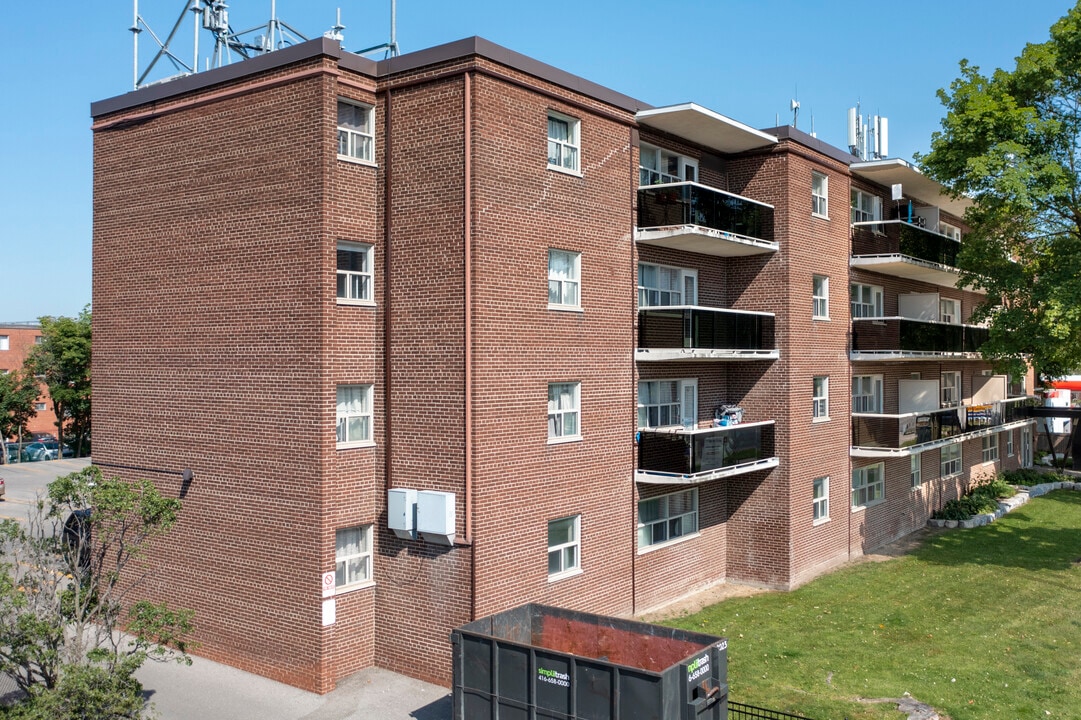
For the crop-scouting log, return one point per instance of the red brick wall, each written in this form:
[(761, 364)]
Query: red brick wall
[(20, 341)]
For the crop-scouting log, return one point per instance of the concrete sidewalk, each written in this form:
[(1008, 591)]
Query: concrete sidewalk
[(211, 691)]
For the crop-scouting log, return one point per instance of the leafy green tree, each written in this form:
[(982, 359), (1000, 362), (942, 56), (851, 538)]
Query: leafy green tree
[(1010, 143), (63, 359), (18, 391), (66, 583)]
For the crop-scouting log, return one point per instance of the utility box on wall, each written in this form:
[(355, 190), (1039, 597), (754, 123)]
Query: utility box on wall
[(435, 516), (402, 512)]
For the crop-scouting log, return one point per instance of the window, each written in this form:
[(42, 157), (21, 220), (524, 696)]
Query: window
[(356, 139), (353, 556), (820, 291), (4, 343), (657, 166), (868, 486), (667, 517), (915, 469), (990, 447), (563, 411), (354, 272), (866, 393), (1017, 385), (950, 459), (951, 231), (563, 142), (1009, 443), (949, 311), (951, 388), (820, 401), (564, 279), (819, 195), (866, 208), (564, 546), (661, 285), (866, 300), (354, 414), (667, 402), (38, 340), (40, 407), (820, 502)]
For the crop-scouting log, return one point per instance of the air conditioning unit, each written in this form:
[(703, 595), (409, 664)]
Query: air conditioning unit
[(435, 516), (402, 512)]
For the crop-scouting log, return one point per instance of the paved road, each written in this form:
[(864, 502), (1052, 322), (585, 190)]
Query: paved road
[(25, 480)]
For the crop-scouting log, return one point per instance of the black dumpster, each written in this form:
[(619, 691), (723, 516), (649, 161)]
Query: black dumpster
[(543, 662)]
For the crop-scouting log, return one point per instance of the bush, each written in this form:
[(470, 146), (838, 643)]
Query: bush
[(980, 499)]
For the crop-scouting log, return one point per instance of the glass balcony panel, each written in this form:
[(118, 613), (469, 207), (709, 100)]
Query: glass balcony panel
[(693, 204), (704, 328), (704, 451), (903, 335), (904, 238), (896, 432)]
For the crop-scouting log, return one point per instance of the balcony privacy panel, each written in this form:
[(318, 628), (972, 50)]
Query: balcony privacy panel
[(701, 452), (905, 239), (919, 428), (699, 328), (691, 204), (903, 335)]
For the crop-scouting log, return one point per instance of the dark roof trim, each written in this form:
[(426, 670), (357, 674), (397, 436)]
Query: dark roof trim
[(787, 132), (403, 63)]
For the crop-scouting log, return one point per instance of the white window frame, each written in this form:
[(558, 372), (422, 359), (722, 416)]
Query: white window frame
[(820, 194), (989, 448), (950, 459), (866, 208), (950, 391), (40, 407), (360, 281), (868, 486), (820, 293), (685, 406), (865, 300), (915, 469), (359, 145), (5, 342), (655, 166), (563, 286), (949, 311), (951, 231), (344, 415), (1009, 443), (820, 401), (363, 556), (867, 393), (574, 545), (569, 149), (559, 418), (685, 280), (820, 500), (671, 527)]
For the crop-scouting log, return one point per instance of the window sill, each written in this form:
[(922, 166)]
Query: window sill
[(951, 476), (345, 589), (356, 303), (667, 543), (565, 171), (820, 216), (354, 444), (820, 318), (565, 574), (820, 521), (565, 308), (564, 439), (861, 508), (821, 419), (357, 161)]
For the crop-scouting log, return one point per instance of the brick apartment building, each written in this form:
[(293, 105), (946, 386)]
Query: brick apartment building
[(16, 340), (321, 282)]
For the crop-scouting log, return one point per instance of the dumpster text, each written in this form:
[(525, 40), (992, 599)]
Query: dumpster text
[(553, 677)]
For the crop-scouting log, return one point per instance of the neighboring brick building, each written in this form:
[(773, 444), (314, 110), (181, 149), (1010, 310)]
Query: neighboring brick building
[(16, 339), (311, 241)]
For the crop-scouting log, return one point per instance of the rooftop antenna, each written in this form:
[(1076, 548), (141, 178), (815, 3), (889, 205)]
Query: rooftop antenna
[(391, 47), (795, 113), (813, 133), (335, 33)]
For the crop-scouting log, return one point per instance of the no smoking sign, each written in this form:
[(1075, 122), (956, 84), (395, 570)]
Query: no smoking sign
[(328, 584)]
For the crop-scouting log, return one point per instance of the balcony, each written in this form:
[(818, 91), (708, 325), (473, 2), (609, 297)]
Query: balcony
[(902, 249), (673, 456), (695, 218), (898, 338), (685, 332), (880, 435)]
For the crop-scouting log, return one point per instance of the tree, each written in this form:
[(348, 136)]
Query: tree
[(1010, 143), (63, 359), (65, 596), (18, 391)]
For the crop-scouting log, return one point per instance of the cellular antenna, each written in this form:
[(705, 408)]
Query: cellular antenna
[(390, 48)]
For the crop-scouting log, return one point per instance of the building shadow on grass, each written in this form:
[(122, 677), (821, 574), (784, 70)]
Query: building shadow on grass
[(1022, 542)]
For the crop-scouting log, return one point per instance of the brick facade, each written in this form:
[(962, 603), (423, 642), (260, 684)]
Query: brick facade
[(220, 345), (20, 338)]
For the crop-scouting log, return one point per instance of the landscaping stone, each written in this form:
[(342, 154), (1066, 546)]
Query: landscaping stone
[(951, 523), (935, 522), (1006, 505)]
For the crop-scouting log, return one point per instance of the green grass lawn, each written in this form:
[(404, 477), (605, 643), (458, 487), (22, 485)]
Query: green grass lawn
[(980, 623)]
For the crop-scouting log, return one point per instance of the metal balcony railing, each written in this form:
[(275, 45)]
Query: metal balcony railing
[(708, 332), (670, 454), (897, 432), (906, 336), (688, 203), (898, 237)]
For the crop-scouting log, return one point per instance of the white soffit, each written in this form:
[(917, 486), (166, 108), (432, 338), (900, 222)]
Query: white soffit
[(914, 184), (705, 127)]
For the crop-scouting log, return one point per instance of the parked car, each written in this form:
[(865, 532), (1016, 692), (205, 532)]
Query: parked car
[(10, 451), (3, 488), (45, 451)]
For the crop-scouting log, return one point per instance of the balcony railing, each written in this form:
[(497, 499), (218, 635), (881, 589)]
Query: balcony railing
[(875, 338), (689, 332), (899, 248), (676, 455), (702, 219), (900, 432)]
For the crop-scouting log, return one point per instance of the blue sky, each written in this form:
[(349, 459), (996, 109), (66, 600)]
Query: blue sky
[(744, 58)]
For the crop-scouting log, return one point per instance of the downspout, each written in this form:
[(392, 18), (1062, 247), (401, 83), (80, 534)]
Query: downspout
[(634, 388), (467, 223), (387, 178)]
